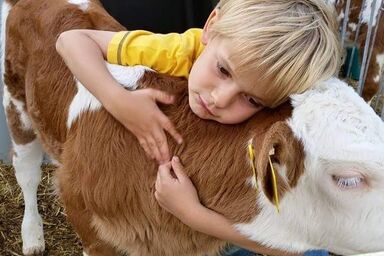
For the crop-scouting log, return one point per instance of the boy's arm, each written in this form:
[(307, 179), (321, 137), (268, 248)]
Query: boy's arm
[(177, 195), (212, 223), (84, 52)]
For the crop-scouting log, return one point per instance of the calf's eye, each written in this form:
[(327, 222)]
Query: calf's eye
[(348, 182)]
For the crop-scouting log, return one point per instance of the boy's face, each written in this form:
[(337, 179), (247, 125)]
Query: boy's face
[(218, 93)]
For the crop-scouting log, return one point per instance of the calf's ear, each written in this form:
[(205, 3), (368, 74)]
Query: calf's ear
[(279, 160)]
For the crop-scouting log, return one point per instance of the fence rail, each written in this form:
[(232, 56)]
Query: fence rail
[(4, 137), (372, 24)]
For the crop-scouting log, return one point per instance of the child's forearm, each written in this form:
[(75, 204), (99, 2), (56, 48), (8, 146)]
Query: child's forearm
[(212, 223), (85, 59)]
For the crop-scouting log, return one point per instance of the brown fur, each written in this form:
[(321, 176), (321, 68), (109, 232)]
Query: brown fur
[(20, 134), (370, 87), (286, 152), (106, 182), (12, 2), (121, 191)]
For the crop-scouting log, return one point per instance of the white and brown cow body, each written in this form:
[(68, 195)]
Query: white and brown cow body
[(107, 183), (375, 66)]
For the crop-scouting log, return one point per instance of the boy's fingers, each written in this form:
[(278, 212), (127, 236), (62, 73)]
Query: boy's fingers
[(178, 168), (154, 150), (164, 171), (144, 145), (161, 141), (162, 97), (166, 166), (168, 126)]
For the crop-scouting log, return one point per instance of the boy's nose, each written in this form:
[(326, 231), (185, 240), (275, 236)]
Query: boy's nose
[(223, 96)]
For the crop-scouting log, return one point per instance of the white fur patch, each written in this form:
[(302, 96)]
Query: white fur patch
[(127, 76), (7, 99), (340, 116), (82, 101), (85, 101), (250, 181), (26, 122), (352, 26), (24, 118), (380, 62), (27, 161), (341, 16), (6, 96), (340, 133), (371, 254), (83, 4)]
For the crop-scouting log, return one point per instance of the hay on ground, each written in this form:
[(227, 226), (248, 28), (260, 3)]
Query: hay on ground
[(60, 240)]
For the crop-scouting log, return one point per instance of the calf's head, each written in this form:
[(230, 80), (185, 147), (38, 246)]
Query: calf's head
[(328, 159)]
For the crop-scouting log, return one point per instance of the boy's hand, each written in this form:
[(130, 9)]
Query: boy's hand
[(175, 192), (139, 113)]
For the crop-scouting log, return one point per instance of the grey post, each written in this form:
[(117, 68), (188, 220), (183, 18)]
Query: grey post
[(5, 142)]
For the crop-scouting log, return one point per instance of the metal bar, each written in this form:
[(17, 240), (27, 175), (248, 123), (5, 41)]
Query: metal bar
[(379, 94), (5, 141), (355, 39), (373, 41), (345, 22), (382, 93), (367, 43), (382, 113)]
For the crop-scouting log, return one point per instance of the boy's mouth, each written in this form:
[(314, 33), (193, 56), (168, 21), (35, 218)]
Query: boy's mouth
[(203, 103)]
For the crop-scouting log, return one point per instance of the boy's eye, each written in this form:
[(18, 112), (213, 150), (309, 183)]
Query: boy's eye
[(253, 101), (222, 70)]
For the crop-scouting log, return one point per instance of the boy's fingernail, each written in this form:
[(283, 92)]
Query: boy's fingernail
[(176, 159)]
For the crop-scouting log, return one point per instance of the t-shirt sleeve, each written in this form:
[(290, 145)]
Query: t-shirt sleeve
[(114, 47), (171, 54)]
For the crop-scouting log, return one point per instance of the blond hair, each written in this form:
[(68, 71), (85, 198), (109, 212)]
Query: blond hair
[(295, 41)]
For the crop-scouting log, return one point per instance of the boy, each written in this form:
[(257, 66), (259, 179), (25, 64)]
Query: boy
[(249, 55)]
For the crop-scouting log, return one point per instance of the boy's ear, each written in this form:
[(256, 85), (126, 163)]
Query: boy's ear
[(211, 19), (279, 148)]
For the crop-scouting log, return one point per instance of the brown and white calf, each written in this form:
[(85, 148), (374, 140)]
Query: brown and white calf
[(375, 66), (328, 154)]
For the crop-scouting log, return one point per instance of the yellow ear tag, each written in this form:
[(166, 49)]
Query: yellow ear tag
[(251, 154), (274, 184)]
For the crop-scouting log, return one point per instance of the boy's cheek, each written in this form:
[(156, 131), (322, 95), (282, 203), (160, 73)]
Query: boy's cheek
[(235, 117)]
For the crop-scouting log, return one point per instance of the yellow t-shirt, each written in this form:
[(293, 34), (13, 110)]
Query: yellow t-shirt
[(171, 54)]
